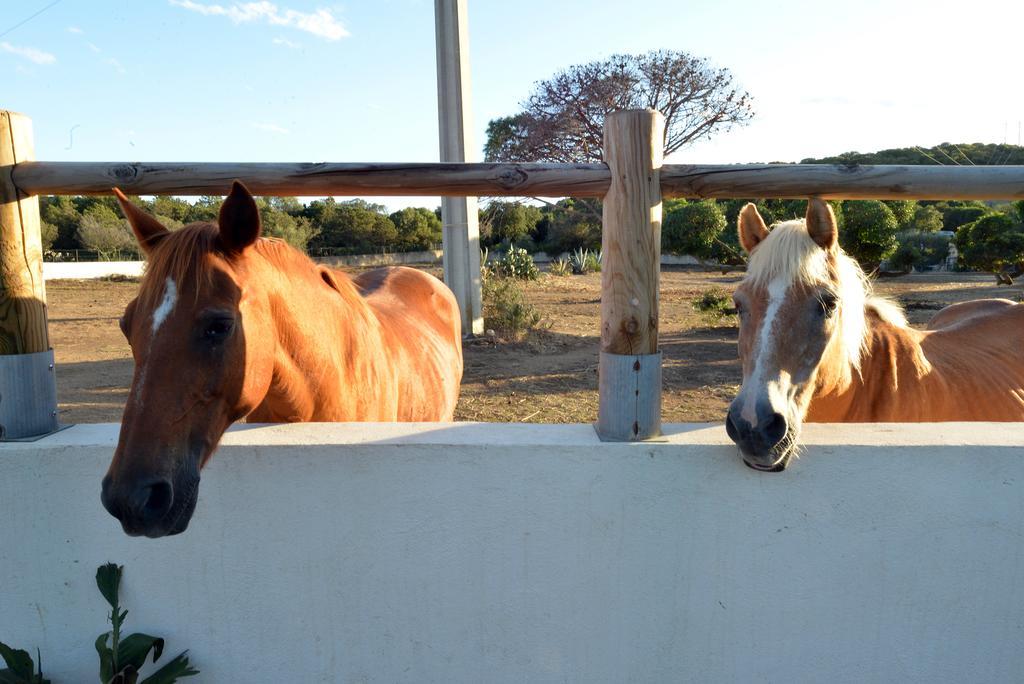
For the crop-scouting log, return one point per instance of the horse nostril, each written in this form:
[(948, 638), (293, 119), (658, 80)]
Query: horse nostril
[(730, 427), (773, 429), (151, 502)]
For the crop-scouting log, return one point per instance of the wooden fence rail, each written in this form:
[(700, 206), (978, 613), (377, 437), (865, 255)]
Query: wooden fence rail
[(722, 181)]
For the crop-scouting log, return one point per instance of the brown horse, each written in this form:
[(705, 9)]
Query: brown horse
[(817, 346), (228, 325)]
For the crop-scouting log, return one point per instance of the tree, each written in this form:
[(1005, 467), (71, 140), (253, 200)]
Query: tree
[(102, 230), (992, 243), (276, 222), (868, 232), (927, 219), (417, 228), (958, 213), (508, 221), (355, 225), (563, 118), (572, 228), (61, 212), (902, 210), (693, 228)]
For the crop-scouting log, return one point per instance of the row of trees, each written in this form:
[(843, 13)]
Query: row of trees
[(906, 233), (355, 226)]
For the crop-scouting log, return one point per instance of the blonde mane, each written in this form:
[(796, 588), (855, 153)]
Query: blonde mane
[(788, 255)]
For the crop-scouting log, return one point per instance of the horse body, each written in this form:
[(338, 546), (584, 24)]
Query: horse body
[(385, 346), (228, 325), (967, 370), (817, 346)]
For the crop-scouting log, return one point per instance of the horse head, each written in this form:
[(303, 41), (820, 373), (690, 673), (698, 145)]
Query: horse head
[(200, 361), (801, 313)]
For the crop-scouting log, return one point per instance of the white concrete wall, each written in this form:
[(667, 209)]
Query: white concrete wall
[(57, 270), (522, 553)]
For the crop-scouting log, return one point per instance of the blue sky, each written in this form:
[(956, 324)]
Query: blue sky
[(298, 80)]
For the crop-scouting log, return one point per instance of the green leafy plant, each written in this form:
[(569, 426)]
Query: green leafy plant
[(506, 310), (714, 301), (583, 261), (20, 668), (517, 263), (560, 267), (121, 660)]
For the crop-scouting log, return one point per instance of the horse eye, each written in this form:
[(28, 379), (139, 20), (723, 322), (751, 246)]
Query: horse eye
[(218, 329), (828, 303)]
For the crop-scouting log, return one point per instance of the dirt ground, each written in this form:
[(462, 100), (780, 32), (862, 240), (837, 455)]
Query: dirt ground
[(550, 378)]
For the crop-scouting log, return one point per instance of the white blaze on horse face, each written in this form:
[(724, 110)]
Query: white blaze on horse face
[(762, 352), (166, 304)]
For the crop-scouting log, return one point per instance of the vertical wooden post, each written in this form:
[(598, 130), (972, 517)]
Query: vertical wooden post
[(630, 363), (28, 401), (461, 230)]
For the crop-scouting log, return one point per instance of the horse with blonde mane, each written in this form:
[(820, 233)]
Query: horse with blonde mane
[(228, 325), (817, 346)]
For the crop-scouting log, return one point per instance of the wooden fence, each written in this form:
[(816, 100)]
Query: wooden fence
[(632, 184)]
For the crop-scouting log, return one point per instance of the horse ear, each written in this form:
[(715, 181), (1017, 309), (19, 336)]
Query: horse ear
[(148, 231), (821, 223), (239, 219), (751, 227)]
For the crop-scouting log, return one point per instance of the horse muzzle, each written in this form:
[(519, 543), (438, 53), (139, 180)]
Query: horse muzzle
[(152, 506), (767, 446)]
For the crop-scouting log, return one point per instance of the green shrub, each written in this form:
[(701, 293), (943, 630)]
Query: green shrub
[(868, 233), (714, 301), (560, 267), (991, 243), (693, 228), (517, 263), (919, 249), (506, 310)]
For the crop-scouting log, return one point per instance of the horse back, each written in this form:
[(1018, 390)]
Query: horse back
[(962, 312), (422, 334)]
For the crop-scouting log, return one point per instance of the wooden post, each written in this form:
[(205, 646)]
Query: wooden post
[(22, 294), (461, 230), (630, 363), (27, 389)]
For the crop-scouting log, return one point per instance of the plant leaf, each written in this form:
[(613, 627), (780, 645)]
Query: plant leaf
[(19, 662), (108, 579), (169, 673), (39, 678), (8, 677), (128, 675), (133, 649), (106, 658)]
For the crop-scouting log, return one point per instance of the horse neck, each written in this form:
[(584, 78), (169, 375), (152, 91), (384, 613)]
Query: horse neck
[(323, 327), (891, 365)]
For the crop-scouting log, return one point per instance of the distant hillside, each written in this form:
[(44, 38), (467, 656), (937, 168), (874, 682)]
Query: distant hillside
[(946, 154)]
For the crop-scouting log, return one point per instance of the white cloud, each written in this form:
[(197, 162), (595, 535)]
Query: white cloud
[(93, 47), (117, 65), (320, 23), (74, 29), (287, 43), (272, 128), (31, 54)]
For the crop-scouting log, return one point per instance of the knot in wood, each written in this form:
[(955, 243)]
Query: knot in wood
[(512, 179), (124, 172)]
